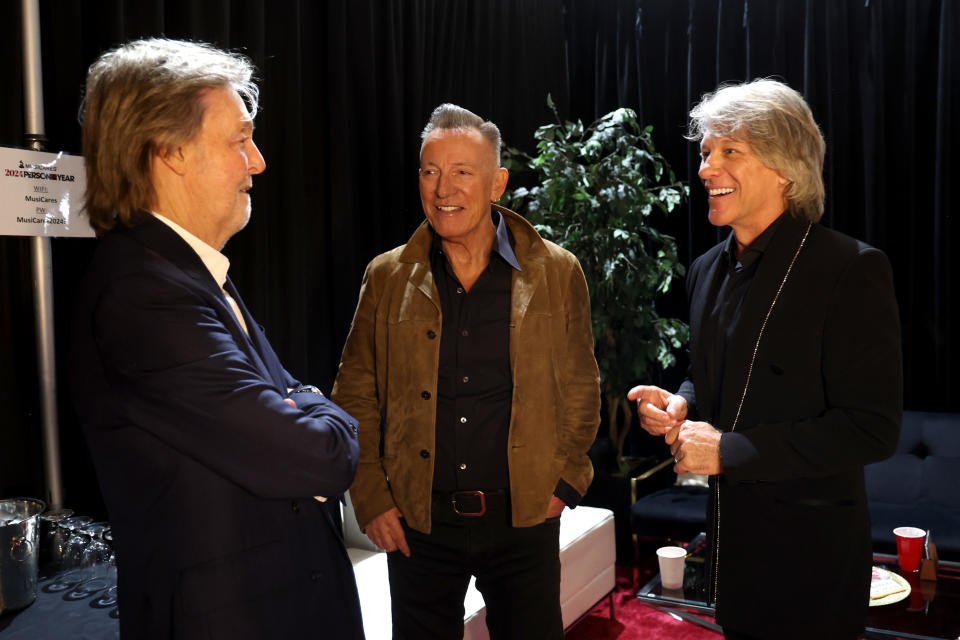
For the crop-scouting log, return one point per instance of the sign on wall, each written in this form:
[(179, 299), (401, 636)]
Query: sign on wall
[(41, 194)]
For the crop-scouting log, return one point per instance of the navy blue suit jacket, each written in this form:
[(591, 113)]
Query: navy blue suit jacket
[(207, 473)]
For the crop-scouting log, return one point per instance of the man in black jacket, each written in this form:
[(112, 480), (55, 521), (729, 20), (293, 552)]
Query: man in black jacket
[(795, 376)]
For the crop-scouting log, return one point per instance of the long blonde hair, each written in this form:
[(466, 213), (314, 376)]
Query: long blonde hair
[(778, 125)]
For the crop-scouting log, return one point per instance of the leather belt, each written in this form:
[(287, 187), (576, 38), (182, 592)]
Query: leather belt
[(473, 503)]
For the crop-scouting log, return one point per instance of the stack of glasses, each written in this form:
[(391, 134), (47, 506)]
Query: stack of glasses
[(77, 557)]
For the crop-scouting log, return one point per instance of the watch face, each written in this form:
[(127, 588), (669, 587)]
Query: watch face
[(308, 388)]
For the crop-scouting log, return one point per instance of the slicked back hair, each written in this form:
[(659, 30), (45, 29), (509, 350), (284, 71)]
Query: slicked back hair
[(143, 98), (451, 116)]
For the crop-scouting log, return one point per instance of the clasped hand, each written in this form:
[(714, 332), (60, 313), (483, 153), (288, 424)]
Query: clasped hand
[(695, 446)]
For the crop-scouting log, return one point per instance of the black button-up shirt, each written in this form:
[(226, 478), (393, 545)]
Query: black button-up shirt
[(733, 280), (475, 384)]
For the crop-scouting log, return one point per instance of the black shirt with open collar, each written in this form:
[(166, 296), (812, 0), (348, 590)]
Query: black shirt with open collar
[(474, 382), (730, 287)]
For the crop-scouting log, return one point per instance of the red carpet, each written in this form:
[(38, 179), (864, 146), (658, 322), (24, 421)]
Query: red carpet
[(634, 620)]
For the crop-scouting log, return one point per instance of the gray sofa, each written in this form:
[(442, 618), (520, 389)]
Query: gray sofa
[(919, 485)]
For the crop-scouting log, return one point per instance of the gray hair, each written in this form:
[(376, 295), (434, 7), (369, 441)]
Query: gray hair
[(141, 98), (450, 116), (777, 123)]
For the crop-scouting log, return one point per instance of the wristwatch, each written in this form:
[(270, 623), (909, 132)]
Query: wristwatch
[(306, 388)]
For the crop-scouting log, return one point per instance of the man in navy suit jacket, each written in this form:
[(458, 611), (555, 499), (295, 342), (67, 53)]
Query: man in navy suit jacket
[(219, 470)]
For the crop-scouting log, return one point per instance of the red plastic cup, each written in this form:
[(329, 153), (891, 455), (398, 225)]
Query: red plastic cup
[(909, 547)]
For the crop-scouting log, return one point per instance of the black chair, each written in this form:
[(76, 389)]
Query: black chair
[(674, 514), (614, 486), (663, 515)]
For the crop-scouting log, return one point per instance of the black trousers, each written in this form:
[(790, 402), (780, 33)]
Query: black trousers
[(517, 570)]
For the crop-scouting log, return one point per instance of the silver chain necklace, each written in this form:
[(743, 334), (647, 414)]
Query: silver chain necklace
[(756, 347), (743, 396)]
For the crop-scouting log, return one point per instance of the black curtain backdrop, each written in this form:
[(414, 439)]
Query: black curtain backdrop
[(348, 84)]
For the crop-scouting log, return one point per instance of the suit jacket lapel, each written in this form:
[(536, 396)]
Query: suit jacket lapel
[(773, 266), (261, 353), (703, 291), (158, 237)]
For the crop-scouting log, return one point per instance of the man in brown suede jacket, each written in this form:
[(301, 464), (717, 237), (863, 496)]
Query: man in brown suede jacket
[(470, 368)]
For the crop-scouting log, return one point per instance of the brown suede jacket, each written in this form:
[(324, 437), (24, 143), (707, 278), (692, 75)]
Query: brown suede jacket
[(388, 378)]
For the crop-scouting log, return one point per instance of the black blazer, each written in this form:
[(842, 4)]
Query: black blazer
[(207, 473), (824, 399)]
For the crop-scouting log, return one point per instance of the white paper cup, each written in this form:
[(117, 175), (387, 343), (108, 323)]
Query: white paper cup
[(671, 566)]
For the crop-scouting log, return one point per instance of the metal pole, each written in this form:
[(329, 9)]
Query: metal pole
[(41, 260)]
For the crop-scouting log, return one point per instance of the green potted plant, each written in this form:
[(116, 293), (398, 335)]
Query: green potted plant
[(598, 189)]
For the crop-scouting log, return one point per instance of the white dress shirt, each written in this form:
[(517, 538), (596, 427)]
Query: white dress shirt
[(215, 262)]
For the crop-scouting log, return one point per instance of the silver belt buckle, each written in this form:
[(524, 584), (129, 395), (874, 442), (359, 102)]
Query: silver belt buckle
[(469, 514)]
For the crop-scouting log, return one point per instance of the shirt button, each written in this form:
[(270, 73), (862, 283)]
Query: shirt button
[(316, 576), (459, 289), (464, 333), (431, 334), (466, 379), (463, 420), (425, 395), (295, 506), (424, 453), (463, 467)]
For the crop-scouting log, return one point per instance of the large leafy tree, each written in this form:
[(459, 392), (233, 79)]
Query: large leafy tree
[(599, 189)]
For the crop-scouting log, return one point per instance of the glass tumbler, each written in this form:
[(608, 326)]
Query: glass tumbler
[(75, 541), (97, 556)]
